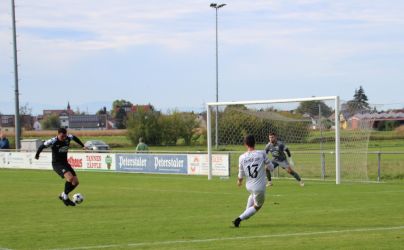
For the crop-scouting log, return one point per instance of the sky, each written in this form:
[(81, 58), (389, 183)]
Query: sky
[(90, 53)]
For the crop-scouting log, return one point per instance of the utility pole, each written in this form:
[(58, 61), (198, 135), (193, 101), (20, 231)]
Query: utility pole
[(17, 104)]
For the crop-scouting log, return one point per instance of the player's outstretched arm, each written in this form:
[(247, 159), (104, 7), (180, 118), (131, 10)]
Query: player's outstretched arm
[(78, 141), (39, 151), (240, 175)]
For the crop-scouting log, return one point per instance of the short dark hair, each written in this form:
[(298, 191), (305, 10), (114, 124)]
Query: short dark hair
[(272, 133), (62, 130), (249, 140)]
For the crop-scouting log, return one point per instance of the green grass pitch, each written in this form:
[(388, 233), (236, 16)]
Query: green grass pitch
[(143, 211)]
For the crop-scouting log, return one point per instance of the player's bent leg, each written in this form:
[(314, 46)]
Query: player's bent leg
[(249, 212), (71, 179), (269, 177), (69, 176), (250, 201), (295, 175), (71, 182), (258, 199), (75, 181)]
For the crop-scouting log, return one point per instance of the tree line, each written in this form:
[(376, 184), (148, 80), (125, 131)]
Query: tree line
[(169, 129)]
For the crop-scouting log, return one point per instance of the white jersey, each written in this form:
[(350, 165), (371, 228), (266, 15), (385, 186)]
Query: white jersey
[(252, 164)]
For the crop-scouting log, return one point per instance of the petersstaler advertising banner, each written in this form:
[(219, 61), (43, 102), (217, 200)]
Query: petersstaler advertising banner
[(156, 163)]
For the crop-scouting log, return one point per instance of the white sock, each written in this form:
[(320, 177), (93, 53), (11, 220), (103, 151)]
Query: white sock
[(64, 196), (248, 213), (250, 201)]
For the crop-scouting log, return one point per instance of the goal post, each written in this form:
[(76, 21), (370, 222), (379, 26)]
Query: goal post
[(266, 112)]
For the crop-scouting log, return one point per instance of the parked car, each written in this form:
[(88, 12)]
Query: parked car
[(96, 145)]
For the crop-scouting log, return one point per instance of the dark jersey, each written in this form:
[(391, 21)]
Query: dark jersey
[(277, 150), (59, 148)]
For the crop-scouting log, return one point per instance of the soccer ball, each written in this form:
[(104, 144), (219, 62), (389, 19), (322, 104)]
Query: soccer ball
[(78, 198)]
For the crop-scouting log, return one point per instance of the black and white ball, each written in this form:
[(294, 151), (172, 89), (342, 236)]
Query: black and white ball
[(78, 198)]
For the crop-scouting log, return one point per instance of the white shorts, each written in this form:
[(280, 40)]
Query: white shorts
[(259, 197)]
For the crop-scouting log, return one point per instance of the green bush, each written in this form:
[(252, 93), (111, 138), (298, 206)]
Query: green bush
[(158, 129)]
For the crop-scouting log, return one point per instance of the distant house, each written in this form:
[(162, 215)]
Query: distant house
[(7, 122), (360, 120), (68, 119)]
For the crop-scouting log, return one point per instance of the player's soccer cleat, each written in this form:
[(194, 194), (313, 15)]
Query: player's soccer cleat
[(70, 203), (301, 183), (269, 184), (236, 222), (67, 202)]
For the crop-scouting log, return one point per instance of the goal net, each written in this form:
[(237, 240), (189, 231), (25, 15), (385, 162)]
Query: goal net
[(328, 140)]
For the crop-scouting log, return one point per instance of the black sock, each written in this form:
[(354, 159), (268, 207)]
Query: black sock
[(294, 174), (69, 187), (269, 175)]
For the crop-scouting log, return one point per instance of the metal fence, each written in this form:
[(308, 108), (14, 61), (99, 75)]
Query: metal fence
[(373, 166)]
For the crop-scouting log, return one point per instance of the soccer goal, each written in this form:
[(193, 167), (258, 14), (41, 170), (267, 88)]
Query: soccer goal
[(325, 141)]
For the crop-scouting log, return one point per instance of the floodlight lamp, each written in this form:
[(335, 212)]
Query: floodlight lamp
[(213, 5)]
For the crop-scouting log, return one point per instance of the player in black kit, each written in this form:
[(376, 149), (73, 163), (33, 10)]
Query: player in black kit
[(60, 146)]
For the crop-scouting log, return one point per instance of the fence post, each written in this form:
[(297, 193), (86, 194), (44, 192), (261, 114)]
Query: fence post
[(322, 166), (379, 165)]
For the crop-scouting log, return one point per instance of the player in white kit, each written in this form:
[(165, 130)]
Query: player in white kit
[(252, 165)]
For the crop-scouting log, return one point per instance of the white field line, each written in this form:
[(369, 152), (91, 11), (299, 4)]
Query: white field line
[(269, 192), (172, 190), (157, 243)]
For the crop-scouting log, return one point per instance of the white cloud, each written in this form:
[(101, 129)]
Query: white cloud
[(117, 24)]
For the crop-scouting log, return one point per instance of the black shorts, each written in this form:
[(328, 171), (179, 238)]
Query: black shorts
[(61, 168)]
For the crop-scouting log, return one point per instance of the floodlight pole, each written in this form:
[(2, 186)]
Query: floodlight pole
[(216, 7), (17, 104)]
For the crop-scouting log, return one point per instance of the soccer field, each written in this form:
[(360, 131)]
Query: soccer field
[(142, 211)]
